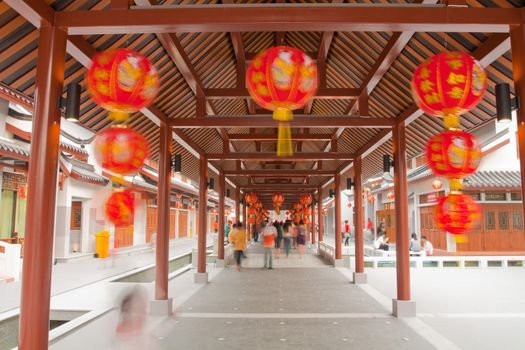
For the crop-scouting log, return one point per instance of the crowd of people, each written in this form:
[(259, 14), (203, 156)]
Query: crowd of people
[(275, 236)]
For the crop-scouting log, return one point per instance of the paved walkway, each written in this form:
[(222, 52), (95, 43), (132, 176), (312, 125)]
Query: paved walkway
[(293, 306)]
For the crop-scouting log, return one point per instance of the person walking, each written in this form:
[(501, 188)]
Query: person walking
[(268, 236), (238, 238), (287, 236), (370, 228), (347, 233), (278, 239), (301, 238)]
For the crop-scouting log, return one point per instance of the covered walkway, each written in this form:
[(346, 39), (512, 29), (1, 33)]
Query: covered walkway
[(301, 304)]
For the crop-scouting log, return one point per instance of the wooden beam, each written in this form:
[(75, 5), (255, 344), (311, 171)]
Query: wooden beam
[(273, 137), (273, 156), (278, 173), (289, 17), (322, 93), (268, 122)]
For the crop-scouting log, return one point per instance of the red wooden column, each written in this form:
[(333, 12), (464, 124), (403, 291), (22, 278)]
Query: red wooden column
[(337, 221), (517, 40), (41, 200), (238, 204), (202, 276), (402, 306), (320, 212), (162, 305), (313, 220), (220, 242), (359, 274)]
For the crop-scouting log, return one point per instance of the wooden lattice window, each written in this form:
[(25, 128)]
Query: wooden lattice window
[(517, 220), (503, 218), (490, 220)]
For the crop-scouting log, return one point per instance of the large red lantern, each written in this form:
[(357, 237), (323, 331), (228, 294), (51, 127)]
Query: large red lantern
[(277, 200), (456, 213), (122, 81), (121, 150), (120, 208), (252, 214), (453, 153), (250, 198), (306, 200), (282, 79), (449, 84)]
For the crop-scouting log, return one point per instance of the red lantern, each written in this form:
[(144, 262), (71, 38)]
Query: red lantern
[(456, 213), (258, 205), (22, 192), (252, 213), (178, 205), (250, 198), (298, 206), (453, 153), (282, 79), (277, 200), (122, 81), (449, 84), (190, 207), (306, 200), (371, 199), (120, 208), (349, 205), (436, 185), (390, 195), (325, 211), (121, 150)]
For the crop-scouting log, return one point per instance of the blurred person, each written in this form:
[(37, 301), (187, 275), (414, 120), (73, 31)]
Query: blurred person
[(381, 242), (381, 229), (426, 246), (287, 237), (278, 238), (238, 239), (130, 332), (370, 228), (347, 233), (294, 231), (415, 245), (268, 237), (227, 229), (301, 238)]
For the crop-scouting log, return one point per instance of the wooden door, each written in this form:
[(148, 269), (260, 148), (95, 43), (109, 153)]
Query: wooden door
[(388, 216), (173, 219), (183, 223), (151, 222), (123, 236), (437, 237)]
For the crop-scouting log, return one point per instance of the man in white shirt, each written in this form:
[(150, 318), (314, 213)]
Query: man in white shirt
[(426, 246)]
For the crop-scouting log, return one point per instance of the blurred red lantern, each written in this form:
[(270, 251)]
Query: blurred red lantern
[(453, 153), (277, 200), (437, 185), (298, 206), (325, 211), (120, 208), (22, 192), (371, 199), (349, 205), (390, 195), (305, 200), (122, 81), (178, 205), (121, 150), (190, 207), (449, 84), (456, 213), (250, 198), (258, 205), (282, 79)]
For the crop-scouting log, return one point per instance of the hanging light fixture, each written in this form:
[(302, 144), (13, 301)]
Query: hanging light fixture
[(349, 183), (72, 102), (387, 163), (331, 193), (504, 104), (211, 183)]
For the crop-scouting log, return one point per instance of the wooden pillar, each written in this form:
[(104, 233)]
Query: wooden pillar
[(42, 183), (163, 215), (320, 213), (517, 40), (202, 217), (358, 217), (313, 220), (238, 204), (401, 205), (337, 219), (222, 189)]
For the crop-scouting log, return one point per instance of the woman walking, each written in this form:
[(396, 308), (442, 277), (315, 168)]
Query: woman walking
[(238, 239), (301, 238), (287, 235)]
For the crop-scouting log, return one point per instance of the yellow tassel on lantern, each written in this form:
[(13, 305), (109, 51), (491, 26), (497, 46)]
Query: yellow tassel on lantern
[(455, 185), (461, 238), (451, 121), (284, 134), (119, 116)]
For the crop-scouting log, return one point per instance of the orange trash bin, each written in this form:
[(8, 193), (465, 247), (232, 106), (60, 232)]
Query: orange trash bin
[(102, 244)]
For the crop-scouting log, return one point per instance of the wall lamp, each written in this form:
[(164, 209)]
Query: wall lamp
[(388, 163), (349, 183), (504, 104), (72, 102), (176, 164), (228, 192), (331, 193), (211, 183)]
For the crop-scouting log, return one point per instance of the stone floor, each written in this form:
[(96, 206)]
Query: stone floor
[(293, 306)]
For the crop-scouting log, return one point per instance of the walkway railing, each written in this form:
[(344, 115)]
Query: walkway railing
[(327, 252)]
